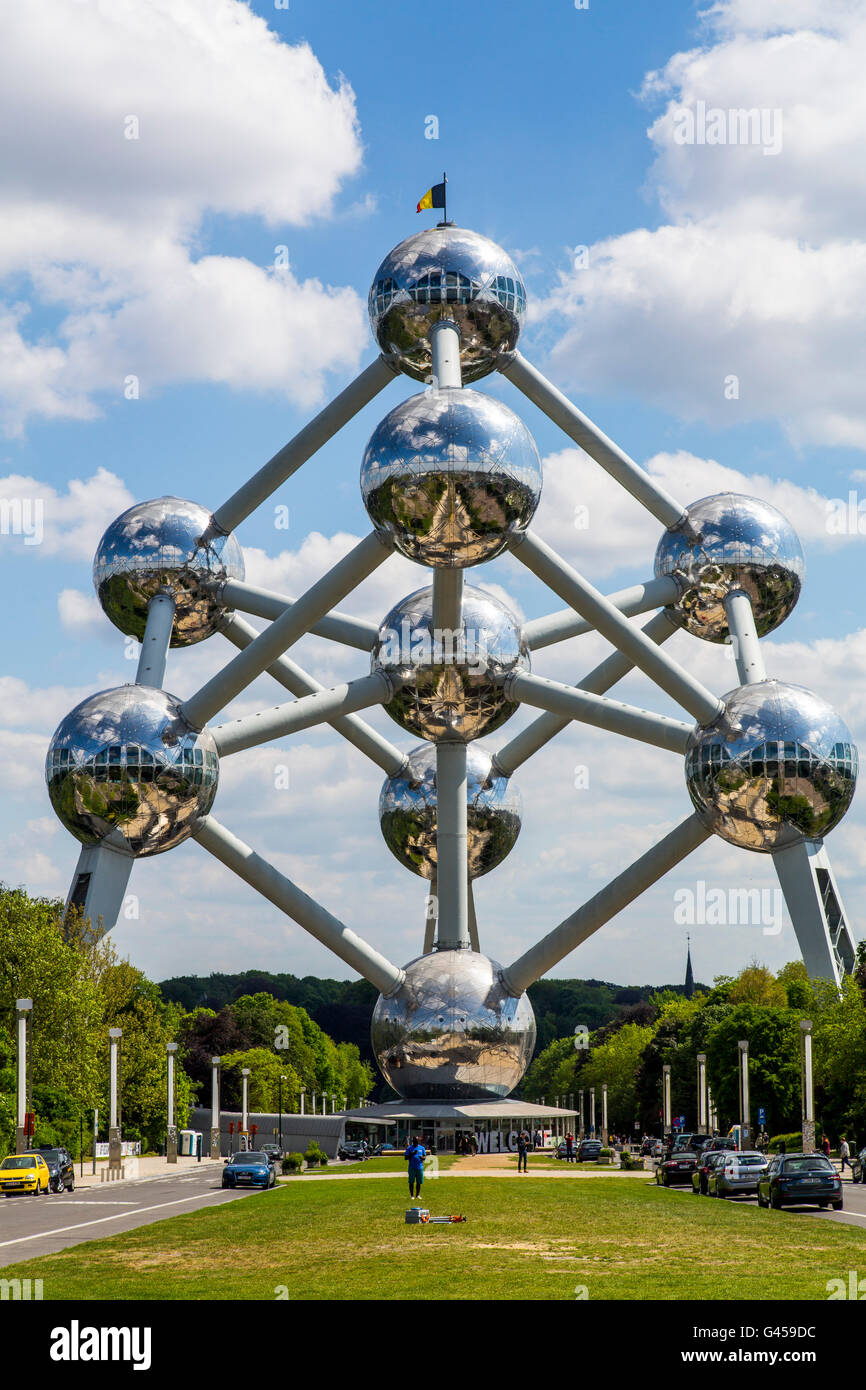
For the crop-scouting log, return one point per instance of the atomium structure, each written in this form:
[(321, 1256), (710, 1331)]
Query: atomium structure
[(450, 479)]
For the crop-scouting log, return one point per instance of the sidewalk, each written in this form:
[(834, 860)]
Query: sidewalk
[(137, 1169)]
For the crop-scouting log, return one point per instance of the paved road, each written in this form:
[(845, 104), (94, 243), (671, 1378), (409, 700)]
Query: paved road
[(31, 1226), (852, 1214)]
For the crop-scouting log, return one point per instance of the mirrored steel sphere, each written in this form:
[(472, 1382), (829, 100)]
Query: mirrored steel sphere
[(452, 1031), (452, 687), (451, 475), (407, 812), (732, 542), (776, 767), (125, 767), (447, 272), (166, 543)]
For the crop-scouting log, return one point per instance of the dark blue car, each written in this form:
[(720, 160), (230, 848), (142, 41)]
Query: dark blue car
[(252, 1169), (800, 1180)]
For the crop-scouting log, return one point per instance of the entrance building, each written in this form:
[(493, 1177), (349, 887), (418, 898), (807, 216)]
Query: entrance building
[(493, 1124)]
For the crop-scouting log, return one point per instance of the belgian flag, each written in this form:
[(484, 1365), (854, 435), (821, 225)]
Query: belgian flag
[(434, 197)]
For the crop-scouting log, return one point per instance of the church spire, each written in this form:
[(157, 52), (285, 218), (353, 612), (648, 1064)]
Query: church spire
[(690, 979)]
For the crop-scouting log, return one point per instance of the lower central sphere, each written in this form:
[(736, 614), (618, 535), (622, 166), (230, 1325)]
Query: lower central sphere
[(452, 1031)]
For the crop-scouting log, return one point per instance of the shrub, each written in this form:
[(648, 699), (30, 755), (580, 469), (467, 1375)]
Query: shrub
[(293, 1163), (792, 1142), (313, 1155)]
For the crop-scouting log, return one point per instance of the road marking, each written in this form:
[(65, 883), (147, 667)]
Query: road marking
[(61, 1230)]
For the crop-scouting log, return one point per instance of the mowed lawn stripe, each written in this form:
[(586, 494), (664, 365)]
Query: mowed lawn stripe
[(523, 1239)]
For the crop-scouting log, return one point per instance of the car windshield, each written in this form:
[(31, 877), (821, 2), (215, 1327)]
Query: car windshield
[(18, 1161), (253, 1159), (808, 1165), (51, 1155)]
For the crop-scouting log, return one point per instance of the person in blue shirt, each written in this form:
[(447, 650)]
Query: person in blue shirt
[(415, 1153)]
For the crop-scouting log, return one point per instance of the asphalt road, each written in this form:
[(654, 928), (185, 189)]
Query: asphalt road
[(852, 1214), (31, 1226)]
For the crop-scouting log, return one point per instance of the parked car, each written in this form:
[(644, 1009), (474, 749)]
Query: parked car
[(273, 1151), (858, 1166), (354, 1149), (588, 1150), (250, 1169), (676, 1169), (720, 1143), (561, 1150), (61, 1169), (701, 1173), (736, 1173), (798, 1180), (657, 1148), (24, 1173), (387, 1151)]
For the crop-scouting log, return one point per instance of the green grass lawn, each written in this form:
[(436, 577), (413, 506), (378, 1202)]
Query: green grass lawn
[(379, 1165), (522, 1240)]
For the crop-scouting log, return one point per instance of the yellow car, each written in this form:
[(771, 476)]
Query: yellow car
[(24, 1173)]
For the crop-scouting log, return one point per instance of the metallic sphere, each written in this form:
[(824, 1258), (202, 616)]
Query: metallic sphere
[(452, 1031), (407, 813), (451, 476), (732, 542), (166, 543), (453, 681), (777, 766), (447, 272), (124, 767)]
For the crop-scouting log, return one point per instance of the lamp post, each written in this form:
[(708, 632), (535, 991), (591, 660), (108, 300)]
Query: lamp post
[(170, 1127), (666, 1102), (604, 1112), (711, 1112), (115, 1150), (245, 1108), (303, 1093), (24, 1009), (745, 1124), (702, 1093), (592, 1112), (581, 1133), (280, 1139), (807, 1087), (215, 1108)]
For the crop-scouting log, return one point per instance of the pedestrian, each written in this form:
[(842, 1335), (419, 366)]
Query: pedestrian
[(844, 1154), (415, 1154), (569, 1147), (537, 1140), (825, 1145), (523, 1142)]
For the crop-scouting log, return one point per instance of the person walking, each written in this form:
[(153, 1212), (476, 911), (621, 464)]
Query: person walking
[(523, 1142), (844, 1154), (825, 1145), (415, 1153), (537, 1140), (569, 1147)]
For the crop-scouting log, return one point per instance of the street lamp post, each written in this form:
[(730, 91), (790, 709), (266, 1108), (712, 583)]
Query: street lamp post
[(702, 1093), (666, 1102), (280, 1140), (24, 1009), (115, 1148), (171, 1127), (604, 1112), (592, 1112), (581, 1132), (807, 1087), (303, 1094), (245, 1108), (215, 1108), (745, 1123)]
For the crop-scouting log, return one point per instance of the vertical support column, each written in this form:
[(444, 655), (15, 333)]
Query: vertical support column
[(245, 1109), (215, 1108), (744, 638), (745, 1121), (702, 1093), (592, 1112), (604, 1113), (445, 351), (807, 1086), (447, 615), (581, 1132), (711, 1114), (452, 873), (24, 1009), (156, 640), (303, 1096), (170, 1126), (666, 1103), (115, 1120), (431, 912)]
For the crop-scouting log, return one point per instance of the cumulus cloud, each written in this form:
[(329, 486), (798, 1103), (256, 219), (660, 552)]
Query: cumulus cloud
[(132, 124), (68, 524), (745, 305)]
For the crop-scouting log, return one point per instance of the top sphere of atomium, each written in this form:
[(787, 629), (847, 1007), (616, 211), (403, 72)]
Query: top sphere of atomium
[(124, 767), (452, 683), (730, 542), (447, 272), (166, 543), (777, 766), (452, 1031), (451, 476)]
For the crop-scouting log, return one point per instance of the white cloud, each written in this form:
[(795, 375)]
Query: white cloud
[(229, 120), (761, 270), (71, 523)]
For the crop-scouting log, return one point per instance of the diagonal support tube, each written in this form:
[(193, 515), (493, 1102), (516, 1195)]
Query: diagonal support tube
[(257, 657), (319, 708), (617, 718), (264, 603), (613, 669), (610, 900), (309, 914), (574, 589), (592, 441), (640, 598), (356, 731), (327, 423)]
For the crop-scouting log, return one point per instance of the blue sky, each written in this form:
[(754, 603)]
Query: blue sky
[(155, 258)]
